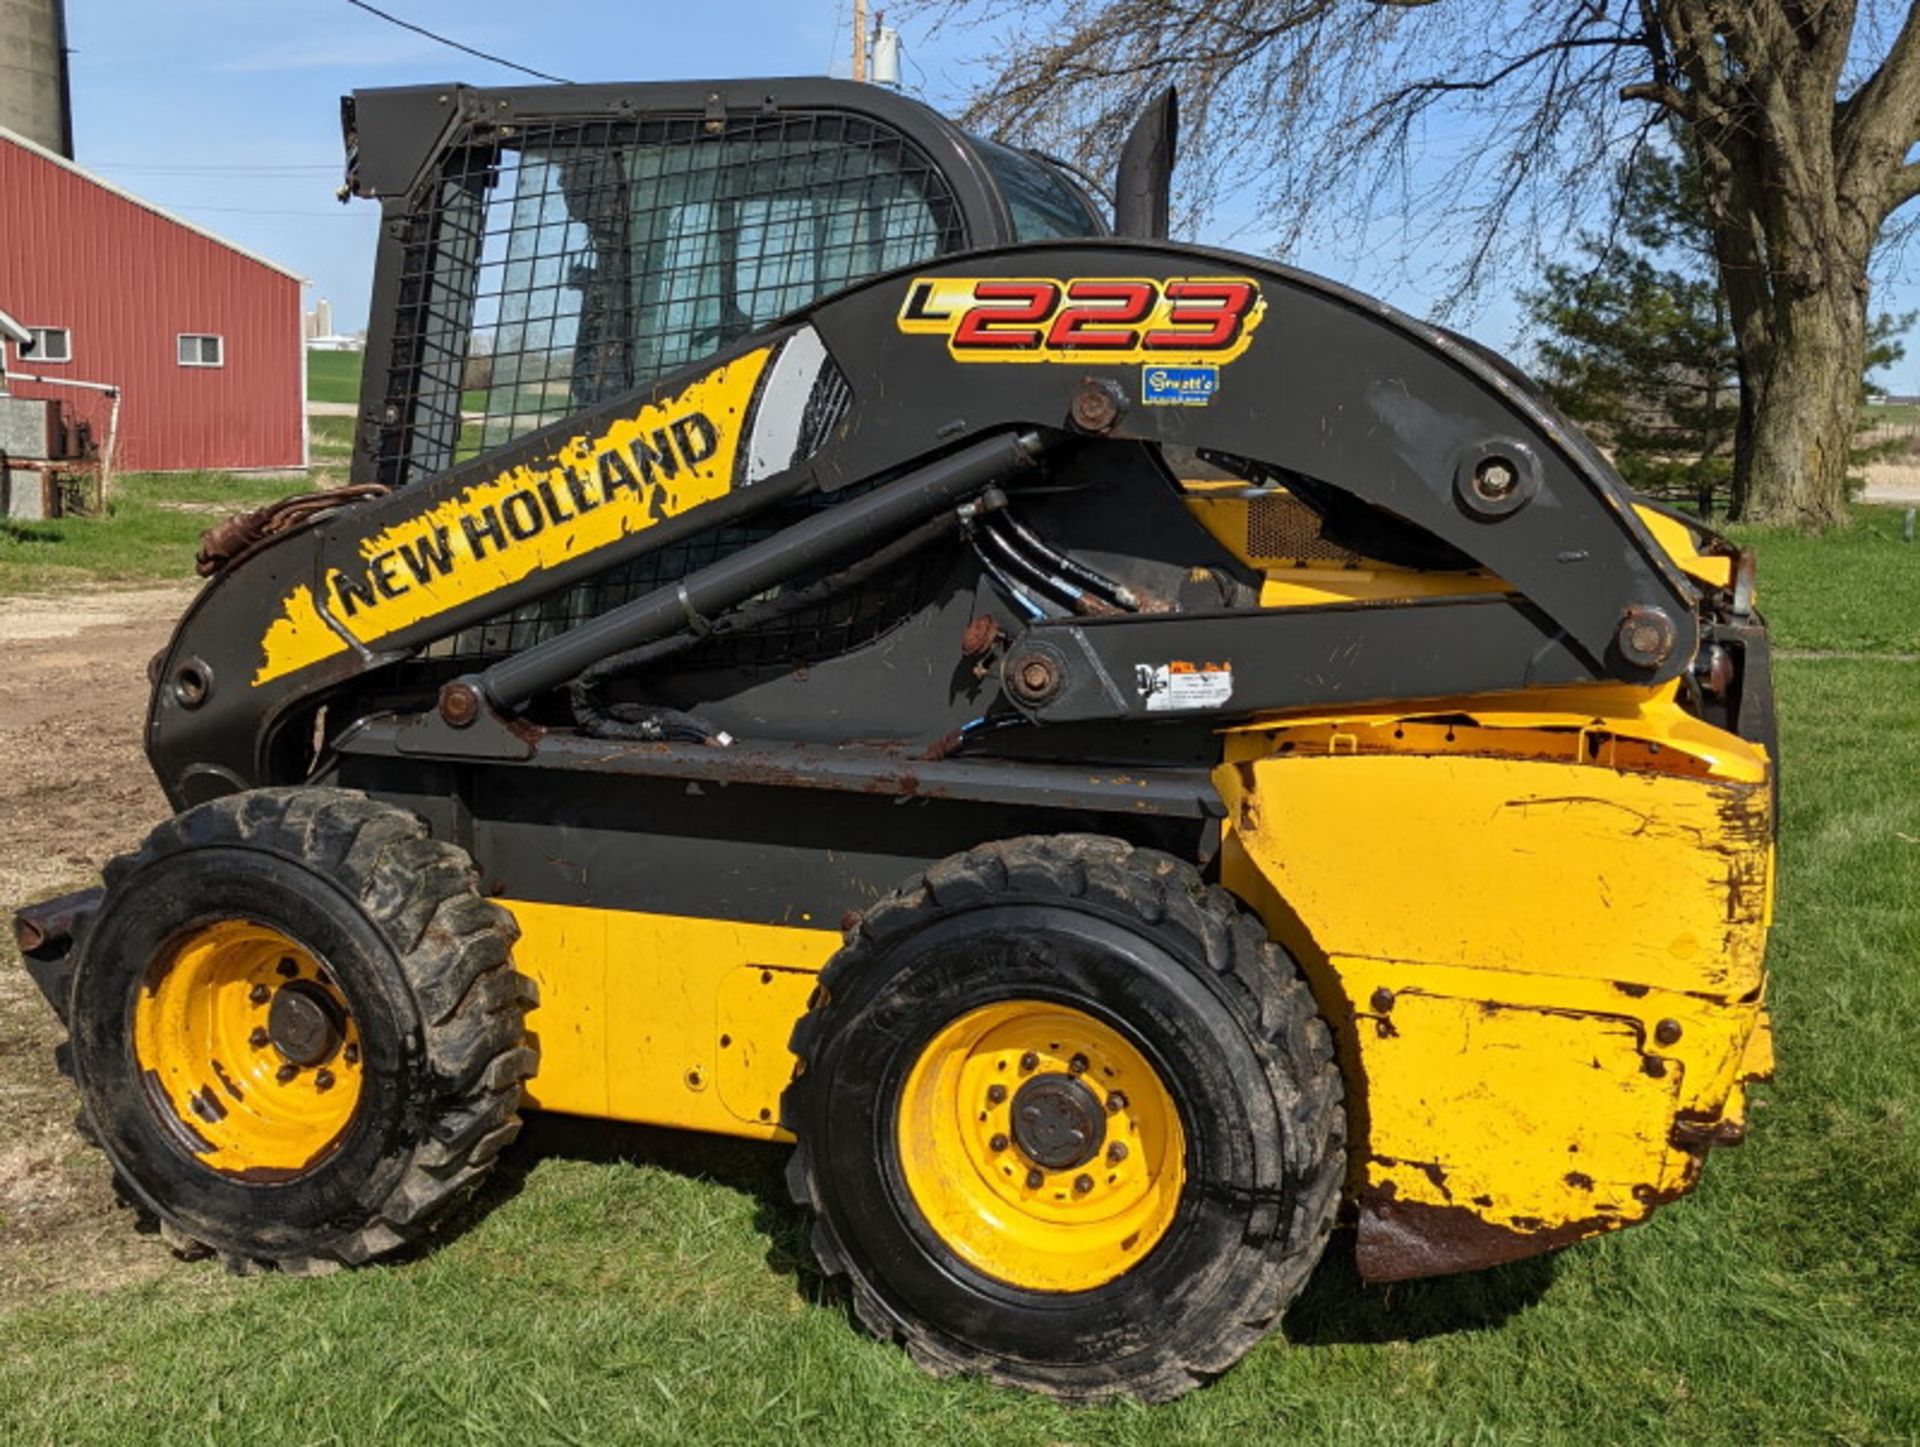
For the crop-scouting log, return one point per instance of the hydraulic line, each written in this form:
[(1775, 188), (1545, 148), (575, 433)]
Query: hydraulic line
[(900, 504), (605, 719), (1075, 598), (1116, 593)]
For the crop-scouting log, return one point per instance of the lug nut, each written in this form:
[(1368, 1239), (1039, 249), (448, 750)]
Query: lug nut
[(286, 1073), (996, 1094), (323, 1080), (288, 968), (998, 1143), (259, 994), (1078, 1065), (1035, 1180), (1029, 1063), (1116, 1102), (1117, 1152), (259, 1039), (1082, 1184), (351, 1055)]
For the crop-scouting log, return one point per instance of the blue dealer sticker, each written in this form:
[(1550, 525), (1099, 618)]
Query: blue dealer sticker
[(1181, 386)]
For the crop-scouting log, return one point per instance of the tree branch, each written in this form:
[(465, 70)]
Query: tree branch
[(1878, 124)]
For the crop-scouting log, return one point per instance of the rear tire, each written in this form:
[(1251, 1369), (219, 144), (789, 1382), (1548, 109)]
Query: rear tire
[(956, 1118), (297, 1031)]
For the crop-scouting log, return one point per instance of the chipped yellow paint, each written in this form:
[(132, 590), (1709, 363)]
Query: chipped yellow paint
[(1617, 725), (665, 1020), (663, 460), (299, 633), (1557, 896)]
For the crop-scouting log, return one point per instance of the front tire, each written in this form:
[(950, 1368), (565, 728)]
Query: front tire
[(1067, 1120), (297, 1031)]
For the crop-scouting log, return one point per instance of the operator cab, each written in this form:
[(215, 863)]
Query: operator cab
[(548, 247)]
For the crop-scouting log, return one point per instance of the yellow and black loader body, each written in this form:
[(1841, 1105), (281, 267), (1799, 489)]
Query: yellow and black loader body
[(843, 542)]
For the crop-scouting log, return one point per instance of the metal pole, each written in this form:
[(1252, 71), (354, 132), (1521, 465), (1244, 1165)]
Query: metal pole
[(859, 39)]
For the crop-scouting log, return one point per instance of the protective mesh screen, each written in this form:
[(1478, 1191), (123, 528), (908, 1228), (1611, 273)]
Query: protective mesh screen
[(1282, 527), (578, 260)]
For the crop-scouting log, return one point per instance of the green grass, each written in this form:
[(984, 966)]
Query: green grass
[(333, 376), (624, 1285), (1855, 590), (154, 522), (1893, 414), (149, 535)]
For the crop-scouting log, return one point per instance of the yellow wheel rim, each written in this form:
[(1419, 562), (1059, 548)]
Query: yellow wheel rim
[(248, 1050), (1041, 1146)]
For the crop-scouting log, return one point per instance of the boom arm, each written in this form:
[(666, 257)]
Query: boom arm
[(1086, 346)]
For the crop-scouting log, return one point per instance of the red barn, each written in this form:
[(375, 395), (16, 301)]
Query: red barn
[(201, 337)]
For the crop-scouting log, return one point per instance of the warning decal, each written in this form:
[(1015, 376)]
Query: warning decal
[(1179, 685)]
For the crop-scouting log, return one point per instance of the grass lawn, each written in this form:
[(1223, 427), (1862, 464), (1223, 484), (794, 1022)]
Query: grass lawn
[(155, 520), (1857, 590), (623, 1285)]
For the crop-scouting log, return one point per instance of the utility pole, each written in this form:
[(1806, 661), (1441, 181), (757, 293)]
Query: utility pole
[(859, 39)]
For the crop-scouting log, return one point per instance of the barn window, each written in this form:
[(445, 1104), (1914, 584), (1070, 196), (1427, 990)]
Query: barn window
[(202, 350), (50, 344)]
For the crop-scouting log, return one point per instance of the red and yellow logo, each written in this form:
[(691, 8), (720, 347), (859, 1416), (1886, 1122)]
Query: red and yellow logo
[(1178, 321)]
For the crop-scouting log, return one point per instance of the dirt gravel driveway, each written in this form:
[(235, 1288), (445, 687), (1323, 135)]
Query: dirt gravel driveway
[(74, 789)]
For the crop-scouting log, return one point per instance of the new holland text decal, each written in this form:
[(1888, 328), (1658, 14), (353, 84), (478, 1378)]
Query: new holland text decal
[(1177, 321), (652, 464)]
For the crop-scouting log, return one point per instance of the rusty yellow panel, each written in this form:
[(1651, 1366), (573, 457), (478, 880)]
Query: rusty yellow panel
[(1501, 1113), (1511, 864), (1612, 725), (756, 1012), (1544, 975), (630, 1016), (1529, 1117)]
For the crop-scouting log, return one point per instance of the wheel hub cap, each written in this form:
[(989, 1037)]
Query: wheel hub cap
[(304, 1023), (1057, 1122)]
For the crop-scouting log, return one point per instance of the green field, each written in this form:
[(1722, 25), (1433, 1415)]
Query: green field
[(628, 1285), (333, 376)]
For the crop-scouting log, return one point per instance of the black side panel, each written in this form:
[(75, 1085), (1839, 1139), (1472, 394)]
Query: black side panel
[(761, 854)]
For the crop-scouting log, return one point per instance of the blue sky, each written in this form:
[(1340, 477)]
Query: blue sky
[(227, 111)]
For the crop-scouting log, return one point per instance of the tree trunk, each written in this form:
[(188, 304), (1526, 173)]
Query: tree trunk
[(1805, 407)]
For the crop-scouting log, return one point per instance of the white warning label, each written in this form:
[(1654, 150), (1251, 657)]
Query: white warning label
[(1179, 685)]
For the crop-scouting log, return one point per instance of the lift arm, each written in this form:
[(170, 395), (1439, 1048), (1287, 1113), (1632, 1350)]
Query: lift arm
[(1079, 345)]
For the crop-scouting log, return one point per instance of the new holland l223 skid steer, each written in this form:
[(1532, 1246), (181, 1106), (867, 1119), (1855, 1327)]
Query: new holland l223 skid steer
[(1124, 754)]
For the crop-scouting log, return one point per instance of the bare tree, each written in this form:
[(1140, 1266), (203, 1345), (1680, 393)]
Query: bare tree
[(1802, 113)]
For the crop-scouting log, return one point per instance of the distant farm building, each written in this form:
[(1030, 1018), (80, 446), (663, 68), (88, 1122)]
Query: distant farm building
[(201, 339)]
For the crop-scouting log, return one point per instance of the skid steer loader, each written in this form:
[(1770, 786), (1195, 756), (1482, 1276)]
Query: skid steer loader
[(1124, 754)]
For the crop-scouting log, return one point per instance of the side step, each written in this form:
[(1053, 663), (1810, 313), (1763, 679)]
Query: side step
[(44, 933)]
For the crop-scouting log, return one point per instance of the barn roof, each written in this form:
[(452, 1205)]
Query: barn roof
[(55, 158)]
